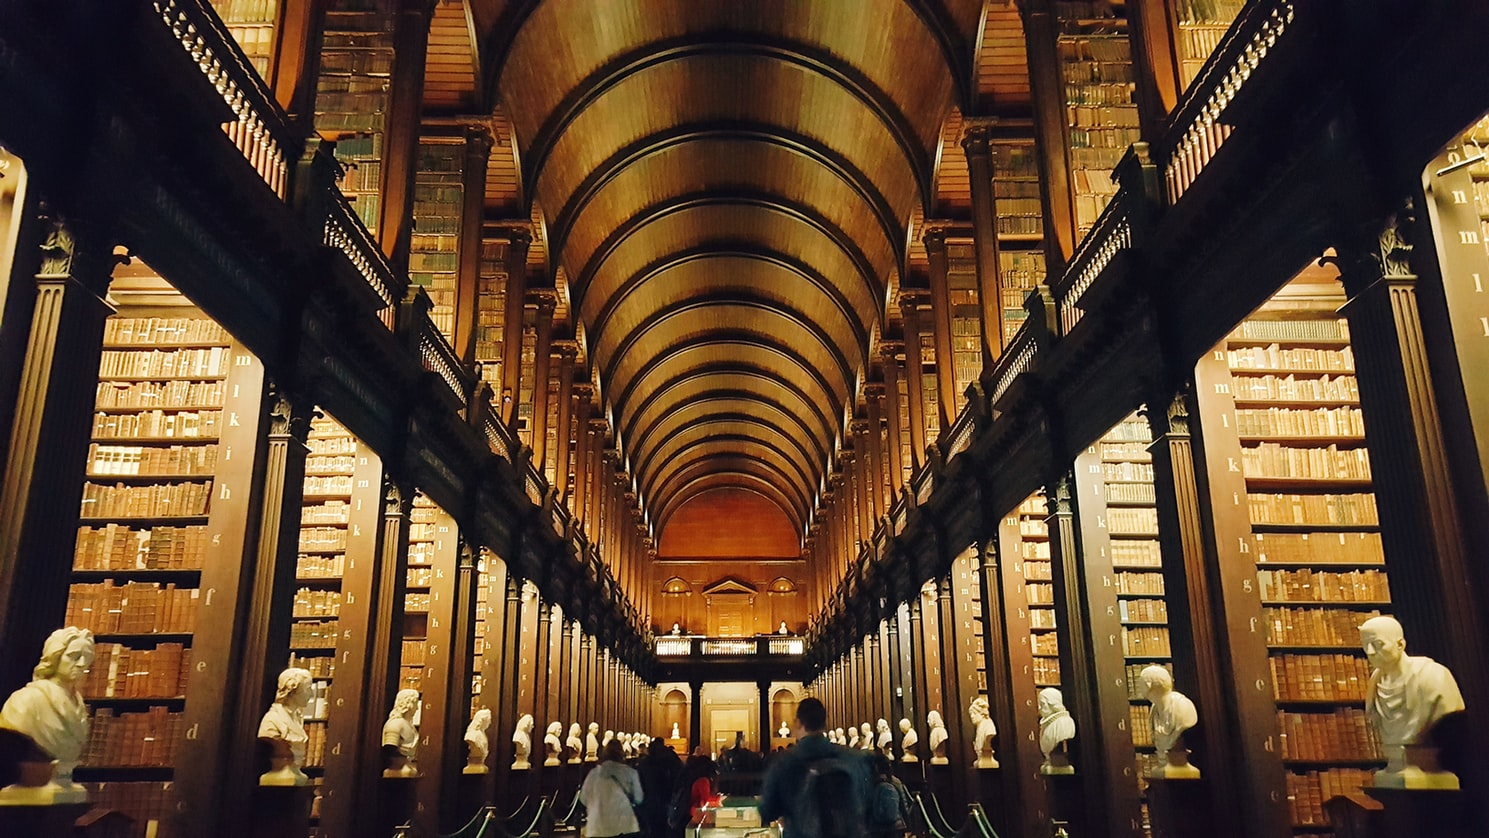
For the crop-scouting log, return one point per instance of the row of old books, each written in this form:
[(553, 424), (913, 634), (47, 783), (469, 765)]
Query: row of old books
[(1320, 421), (1135, 681), (319, 666), (1139, 521), (1136, 554), (1343, 735), (1272, 460), (132, 608), (158, 424), (208, 362), (1046, 671), (1140, 583), (1124, 449), (419, 577), (330, 484), (1359, 548), (322, 538), (325, 512), (151, 460), (1313, 329), (1277, 359), (133, 740), (416, 603), (314, 635), (1334, 627), (1127, 472), (1320, 677), (1037, 592), (1326, 508), (1131, 492), (1308, 792), (162, 331), (1143, 610), (162, 394), (310, 602), (1046, 644), (1307, 585), (320, 567), (1308, 388), (1142, 730), (1145, 642), (122, 672), (153, 501), (119, 547), (333, 465)]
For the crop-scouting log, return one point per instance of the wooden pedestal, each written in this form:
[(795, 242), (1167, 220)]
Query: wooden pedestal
[(1063, 791), (41, 820), (1180, 808), (281, 811), (1441, 813), (395, 803)]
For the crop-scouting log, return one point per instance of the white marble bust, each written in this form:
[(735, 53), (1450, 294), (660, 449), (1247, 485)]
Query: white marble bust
[(784, 732), (478, 745), (592, 743), (625, 744), (575, 744), (676, 731), (852, 738), (283, 727), (1056, 727), (50, 711), (1406, 696), (835, 736), (553, 745), (1172, 714), (885, 739), (522, 743), (982, 733), (909, 739), (400, 733), (937, 737)]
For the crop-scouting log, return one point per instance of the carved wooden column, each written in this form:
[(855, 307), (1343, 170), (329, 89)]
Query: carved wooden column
[(545, 299), (1012, 697), (874, 395), (295, 70), (1151, 29), (543, 706), (478, 142), (1193, 633), (958, 748), (925, 670), (568, 351), (1092, 670), (584, 713), (439, 800), (978, 150), (911, 301), (948, 398), (1429, 554), (566, 666), (889, 351), (401, 135), (518, 240), (1047, 92), (583, 407), (863, 480), (266, 618), (493, 661), (216, 680), (43, 479), (505, 716)]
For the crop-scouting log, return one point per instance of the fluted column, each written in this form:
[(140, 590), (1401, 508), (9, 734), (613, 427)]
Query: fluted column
[(947, 396), (518, 240), (976, 146), (401, 134), (874, 396), (478, 142), (889, 352), (568, 351), (910, 302)]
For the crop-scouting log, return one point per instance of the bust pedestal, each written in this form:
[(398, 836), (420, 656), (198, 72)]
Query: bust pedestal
[(46, 819), (1180, 807), (396, 797), (281, 810)]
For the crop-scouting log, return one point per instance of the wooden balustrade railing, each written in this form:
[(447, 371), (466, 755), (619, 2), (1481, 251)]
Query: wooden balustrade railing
[(1197, 129), (344, 232), (261, 131), (1111, 235)]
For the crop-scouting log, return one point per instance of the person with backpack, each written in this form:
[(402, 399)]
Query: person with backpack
[(890, 806), (694, 789), (820, 790), (659, 771), (610, 794)]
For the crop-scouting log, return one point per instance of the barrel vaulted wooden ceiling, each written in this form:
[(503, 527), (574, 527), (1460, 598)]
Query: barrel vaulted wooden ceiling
[(729, 191)]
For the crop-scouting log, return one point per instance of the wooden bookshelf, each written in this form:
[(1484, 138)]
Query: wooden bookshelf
[(1314, 532), (439, 201), (1026, 553), (1201, 26), (252, 24), (420, 575), (1101, 114), (1020, 227), (966, 313), (146, 524), (491, 302), (352, 96), (325, 515)]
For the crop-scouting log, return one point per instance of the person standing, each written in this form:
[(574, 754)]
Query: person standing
[(816, 787), (659, 771), (610, 794)]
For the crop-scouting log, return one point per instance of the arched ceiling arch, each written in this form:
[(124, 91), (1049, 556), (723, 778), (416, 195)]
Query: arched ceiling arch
[(727, 187)]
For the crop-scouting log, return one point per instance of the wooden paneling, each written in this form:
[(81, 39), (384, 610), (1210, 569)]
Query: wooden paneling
[(729, 524), (692, 609)]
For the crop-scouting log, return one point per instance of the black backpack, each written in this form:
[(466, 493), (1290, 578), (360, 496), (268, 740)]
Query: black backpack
[(830, 805), (679, 808)]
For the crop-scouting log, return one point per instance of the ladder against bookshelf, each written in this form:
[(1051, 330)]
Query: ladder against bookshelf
[(166, 378), (1314, 532)]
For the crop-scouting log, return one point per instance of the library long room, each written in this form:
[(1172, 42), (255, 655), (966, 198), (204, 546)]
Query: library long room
[(912, 418)]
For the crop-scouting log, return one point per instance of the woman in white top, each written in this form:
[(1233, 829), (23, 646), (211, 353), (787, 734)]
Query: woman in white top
[(610, 794)]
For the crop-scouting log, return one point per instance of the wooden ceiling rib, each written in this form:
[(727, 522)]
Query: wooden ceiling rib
[(727, 189)]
